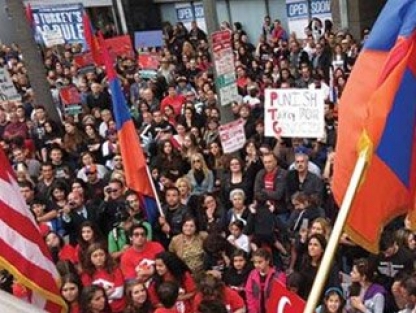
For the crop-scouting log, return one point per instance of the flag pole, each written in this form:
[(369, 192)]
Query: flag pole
[(152, 183), (331, 248)]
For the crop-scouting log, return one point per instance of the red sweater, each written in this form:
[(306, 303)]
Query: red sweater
[(132, 258), (108, 280)]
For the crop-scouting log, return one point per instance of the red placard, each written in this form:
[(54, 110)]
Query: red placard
[(120, 46), (282, 300), (70, 95), (149, 61), (83, 60)]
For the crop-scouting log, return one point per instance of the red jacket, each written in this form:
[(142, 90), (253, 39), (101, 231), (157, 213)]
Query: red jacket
[(253, 288)]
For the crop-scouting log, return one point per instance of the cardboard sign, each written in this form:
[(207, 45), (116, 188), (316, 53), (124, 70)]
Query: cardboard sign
[(7, 89), (120, 46), (294, 113), (232, 136), (71, 100)]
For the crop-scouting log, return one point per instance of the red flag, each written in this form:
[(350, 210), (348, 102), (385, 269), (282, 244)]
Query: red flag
[(282, 300), (91, 39), (23, 250), (378, 112), (29, 14)]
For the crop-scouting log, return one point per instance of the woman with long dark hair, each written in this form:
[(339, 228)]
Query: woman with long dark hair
[(316, 247), (94, 300), (99, 268), (169, 267), (71, 288)]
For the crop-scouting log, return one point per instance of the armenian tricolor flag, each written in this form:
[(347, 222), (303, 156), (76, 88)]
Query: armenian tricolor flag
[(135, 166), (378, 111)]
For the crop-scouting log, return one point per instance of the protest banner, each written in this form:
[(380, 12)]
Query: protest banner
[(120, 46), (232, 136), (294, 113), (7, 89), (71, 100), (59, 18)]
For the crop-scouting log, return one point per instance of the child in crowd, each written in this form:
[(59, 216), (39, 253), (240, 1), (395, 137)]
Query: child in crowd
[(168, 293)]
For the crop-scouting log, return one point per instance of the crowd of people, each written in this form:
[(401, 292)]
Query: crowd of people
[(231, 224)]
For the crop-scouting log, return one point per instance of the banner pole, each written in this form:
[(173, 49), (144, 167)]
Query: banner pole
[(332, 246)]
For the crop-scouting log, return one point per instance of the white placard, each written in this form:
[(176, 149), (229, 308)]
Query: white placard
[(7, 89), (294, 113), (52, 37), (232, 136)]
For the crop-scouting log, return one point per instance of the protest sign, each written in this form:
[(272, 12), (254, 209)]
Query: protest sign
[(59, 18), (148, 39), (293, 113), (71, 100), (84, 62), (224, 64), (7, 89), (120, 46), (232, 136), (52, 38)]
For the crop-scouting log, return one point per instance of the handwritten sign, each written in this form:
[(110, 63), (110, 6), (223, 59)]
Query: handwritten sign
[(232, 136), (295, 113)]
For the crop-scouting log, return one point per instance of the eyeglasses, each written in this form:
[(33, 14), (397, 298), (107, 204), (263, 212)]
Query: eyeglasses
[(141, 234), (234, 164)]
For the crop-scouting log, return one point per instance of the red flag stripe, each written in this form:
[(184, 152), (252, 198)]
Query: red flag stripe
[(28, 233), (18, 268), (26, 248)]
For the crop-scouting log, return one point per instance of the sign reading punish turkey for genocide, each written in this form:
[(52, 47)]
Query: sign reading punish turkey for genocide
[(293, 113), (60, 18)]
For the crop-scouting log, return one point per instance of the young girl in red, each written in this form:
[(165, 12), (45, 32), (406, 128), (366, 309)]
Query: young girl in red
[(259, 282), (170, 267), (100, 270)]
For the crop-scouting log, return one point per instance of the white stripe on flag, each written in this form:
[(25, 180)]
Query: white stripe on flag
[(26, 248), (11, 196)]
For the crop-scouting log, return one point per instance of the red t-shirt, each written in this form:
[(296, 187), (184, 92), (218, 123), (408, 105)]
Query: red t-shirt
[(269, 180), (231, 300), (176, 103), (108, 280), (68, 253), (131, 258), (165, 310), (187, 286)]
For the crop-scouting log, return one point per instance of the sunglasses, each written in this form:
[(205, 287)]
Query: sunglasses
[(89, 173), (196, 161)]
